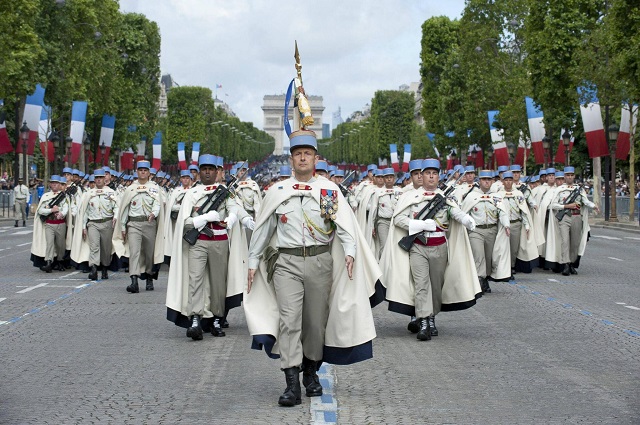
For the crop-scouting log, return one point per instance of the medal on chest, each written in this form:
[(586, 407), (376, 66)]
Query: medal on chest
[(328, 204)]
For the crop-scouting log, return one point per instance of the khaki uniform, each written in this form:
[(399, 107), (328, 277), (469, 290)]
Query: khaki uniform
[(303, 272), (387, 201), (98, 222), (21, 194), (55, 230), (141, 232), (572, 223), (517, 219)]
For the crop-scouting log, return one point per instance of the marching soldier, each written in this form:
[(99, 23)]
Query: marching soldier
[(248, 192), (20, 196), (322, 170), (55, 226), (415, 175), (195, 174), (572, 204), (490, 238), (138, 235), (384, 203), (285, 173), (96, 219), (212, 263), (173, 207)]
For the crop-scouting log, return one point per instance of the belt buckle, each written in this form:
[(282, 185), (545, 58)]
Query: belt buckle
[(306, 252)]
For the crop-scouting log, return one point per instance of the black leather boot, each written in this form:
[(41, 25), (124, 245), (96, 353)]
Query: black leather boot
[(133, 288), (487, 288), (310, 378), (24, 223), (572, 269), (413, 325), (16, 225), (292, 394), (105, 274), (425, 333), (216, 328), (566, 271), (149, 286), (93, 275), (432, 326), (47, 267), (195, 330)]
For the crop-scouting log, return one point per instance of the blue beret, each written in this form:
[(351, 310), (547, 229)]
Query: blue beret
[(551, 170), (322, 166), (98, 173), (153, 171), (431, 163), (62, 180), (469, 169), (507, 175), (67, 170), (106, 169), (194, 168), (161, 174), (54, 178), (185, 173), (458, 168), (92, 178), (559, 174), (442, 177), (543, 172), (332, 167), (302, 138), (135, 175), (207, 159), (372, 167), (285, 171), (377, 172), (82, 174), (503, 168), (75, 172), (388, 171), (415, 164), (407, 176), (243, 164), (339, 173), (570, 170), (515, 167), (143, 164), (485, 174)]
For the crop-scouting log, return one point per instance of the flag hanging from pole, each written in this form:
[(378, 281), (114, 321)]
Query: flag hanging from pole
[(195, 153), (406, 158), (559, 156), (157, 151), (536, 129), (32, 112), (523, 150), (624, 136), (393, 150), (44, 128), (181, 157), (106, 138), (78, 119), (500, 152), (592, 122), (141, 149), (126, 160)]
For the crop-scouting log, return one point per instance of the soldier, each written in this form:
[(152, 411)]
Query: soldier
[(298, 222), (248, 192), (322, 170), (55, 225), (415, 175), (418, 278), (490, 238), (195, 174), (96, 219), (213, 261), (366, 181), (139, 236), (285, 173), (173, 208), (572, 204), (384, 203), (20, 196), (92, 182)]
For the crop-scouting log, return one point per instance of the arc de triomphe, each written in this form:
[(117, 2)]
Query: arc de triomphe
[(273, 108)]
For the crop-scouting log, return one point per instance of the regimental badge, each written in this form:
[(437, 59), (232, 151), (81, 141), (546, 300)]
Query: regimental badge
[(133, 203), (328, 204), (283, 219)]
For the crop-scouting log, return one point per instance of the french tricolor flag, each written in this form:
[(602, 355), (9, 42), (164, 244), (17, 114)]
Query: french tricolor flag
[(479, 161), (5, 143), (536, 129), (624, 136), (195, 153), (106, 137), (406, 158), (523, 150), (157, 151), (141, 149), (559, 156), (500, 152), (32, 112), (592, 121), (181, 156), (44, 128), (393, 149), (126, 160), (78, 120)]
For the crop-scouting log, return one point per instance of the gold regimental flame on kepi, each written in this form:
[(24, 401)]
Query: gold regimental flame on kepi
[(302, 103)]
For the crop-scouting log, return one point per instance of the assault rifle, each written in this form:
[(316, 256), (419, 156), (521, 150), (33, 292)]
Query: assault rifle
[(473, 186), (344, 186), (57, 200), (570, 200), (115, 183), (211, 203), (428, 212)]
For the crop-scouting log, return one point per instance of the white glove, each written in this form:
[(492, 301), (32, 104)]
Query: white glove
[(417, 226), (248, 223), (231, 220), (199, 222), (468, 222), (211, 216)]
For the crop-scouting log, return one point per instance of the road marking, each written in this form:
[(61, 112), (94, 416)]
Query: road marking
[(23, 232), (552, 280), (70, 274), (2, 299), (612, 238), (23, 244), (83, 286), (614, 258), (62, 279), (14, 253), (324, 409), (31, 288), (621, 303), (632, 307), (629, 237), (2, 322)]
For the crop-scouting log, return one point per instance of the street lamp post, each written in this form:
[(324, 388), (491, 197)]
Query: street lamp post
[(490, 157), (67, 144), (103, 151), (566, 140), (24, 136), (511, 148), (474, 155), (87, 150), (613, 138), (546, 142)]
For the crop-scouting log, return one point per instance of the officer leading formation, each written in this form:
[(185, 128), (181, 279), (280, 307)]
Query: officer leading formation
[(310, 255)]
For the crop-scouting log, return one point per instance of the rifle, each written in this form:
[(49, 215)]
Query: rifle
[(428, 212), (473, 186), (115, 183), (344, 186), (211, 203), (71, 190), (570, 200)]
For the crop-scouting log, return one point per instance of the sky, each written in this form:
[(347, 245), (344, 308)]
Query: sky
[(348, 49)]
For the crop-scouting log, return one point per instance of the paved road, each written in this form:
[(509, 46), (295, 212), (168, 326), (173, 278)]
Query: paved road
[(548, 349)]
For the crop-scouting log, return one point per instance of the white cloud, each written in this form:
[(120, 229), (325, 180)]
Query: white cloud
[(349, 49)]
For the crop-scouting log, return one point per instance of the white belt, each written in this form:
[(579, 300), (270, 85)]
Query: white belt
[(218, 232), (435, 234)]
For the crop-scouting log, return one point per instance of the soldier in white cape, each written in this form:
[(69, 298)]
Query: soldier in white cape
[(173, 208)]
